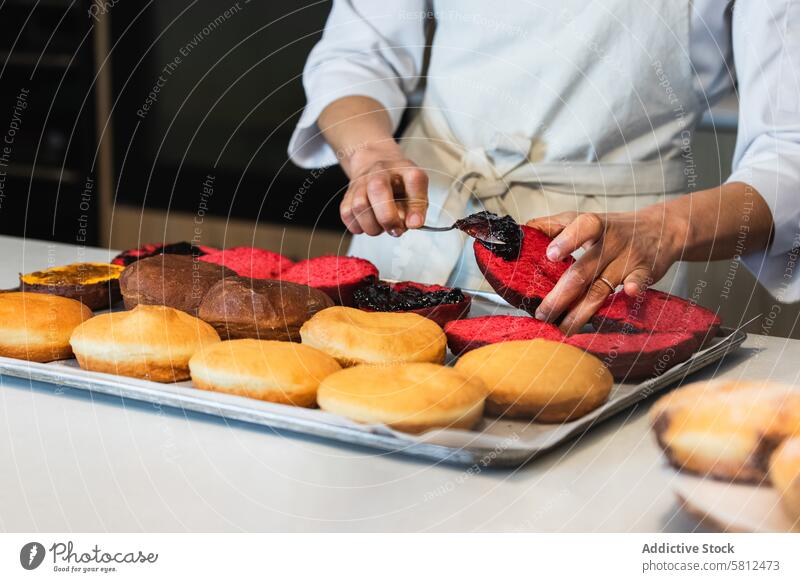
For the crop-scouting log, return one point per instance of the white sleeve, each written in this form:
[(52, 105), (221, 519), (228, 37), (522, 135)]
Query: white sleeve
[(766, 47), (369, 47)]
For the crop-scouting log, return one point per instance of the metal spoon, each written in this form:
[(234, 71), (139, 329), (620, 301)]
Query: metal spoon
[(474, 233)]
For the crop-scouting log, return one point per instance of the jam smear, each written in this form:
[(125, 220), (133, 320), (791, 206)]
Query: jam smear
[(503, 228), (384, 297)]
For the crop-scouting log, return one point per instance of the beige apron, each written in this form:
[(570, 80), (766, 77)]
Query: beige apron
[(512, 172)]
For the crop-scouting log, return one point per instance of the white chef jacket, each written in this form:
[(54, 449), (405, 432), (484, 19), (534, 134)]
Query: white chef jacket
[(377, 48)]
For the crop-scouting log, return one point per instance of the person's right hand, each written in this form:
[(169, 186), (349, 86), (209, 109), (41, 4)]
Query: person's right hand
[(387, 192)]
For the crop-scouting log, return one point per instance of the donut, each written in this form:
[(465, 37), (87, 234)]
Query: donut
[(356, 337), (339, 277), (538, 379), (250, 262), (724, 428), (152, 342), (275, 371), (37, 327), (408, 397)]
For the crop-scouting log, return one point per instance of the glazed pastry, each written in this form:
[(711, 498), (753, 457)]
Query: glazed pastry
[(408, 397), (37, 327), (96, 285), (262, 309), (152, 342), (726, 429), (538, 379), (356, 337), (172, 280), (282, 372)]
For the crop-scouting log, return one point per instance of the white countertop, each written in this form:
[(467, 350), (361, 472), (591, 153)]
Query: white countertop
[(76, 462)]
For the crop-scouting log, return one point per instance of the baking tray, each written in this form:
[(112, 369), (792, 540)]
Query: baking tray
[(497, 442)]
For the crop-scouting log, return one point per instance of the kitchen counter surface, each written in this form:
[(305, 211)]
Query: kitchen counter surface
[(73, 461)]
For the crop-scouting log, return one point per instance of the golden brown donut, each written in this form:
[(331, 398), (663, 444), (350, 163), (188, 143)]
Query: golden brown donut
[(37, 327), (539, 379), (784, 472), (178, 281), (96, 285), (152, 342), (725, 428), (276, 371), (408, 397), (261, 309), (357, 337)]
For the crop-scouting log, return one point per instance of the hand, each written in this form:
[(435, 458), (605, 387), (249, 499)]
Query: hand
[(630, 248), (387, 192)]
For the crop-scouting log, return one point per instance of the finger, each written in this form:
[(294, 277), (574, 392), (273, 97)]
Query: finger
[(382, 202), (346, 213), (637, 281), (552, 225), (362, 211), (416, 201), (583, 309), (586, 228), (572, 285)]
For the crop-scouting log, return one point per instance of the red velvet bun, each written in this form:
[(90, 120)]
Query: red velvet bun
[(339, 277), (468, 334), (444, 304), (250, 262), (656, 311), (525, 281), (635, 356), (130, 256)]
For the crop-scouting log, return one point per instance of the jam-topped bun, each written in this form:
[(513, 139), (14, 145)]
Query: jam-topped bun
[(250, 262), (339, 277), (437, 303), (37, 327), (356, 337), (172, 280), (238, 307), (525, 280), (469, 334), (538, 379), (408, 397), (152, 342), (130, 256), (281, 372), (96, 285), (725, 428)]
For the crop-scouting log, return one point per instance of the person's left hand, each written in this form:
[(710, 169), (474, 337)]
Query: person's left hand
[(634, 249)]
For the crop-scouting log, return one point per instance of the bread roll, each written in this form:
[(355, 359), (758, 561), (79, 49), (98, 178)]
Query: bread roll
[(177, 281), (356, 337), (784, 472), (275, 371), (37, 327), (726, 428), (152, 342), (539, 379), (260, 309), (407, 397)]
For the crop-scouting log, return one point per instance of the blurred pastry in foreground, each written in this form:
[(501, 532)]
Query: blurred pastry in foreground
[(282, 372), (408, 397), (261, 309), (176, 281), (37, 327), (784, 473), (356, 337), (725, 428), (539, 379), (96, 285), (152, 342)]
